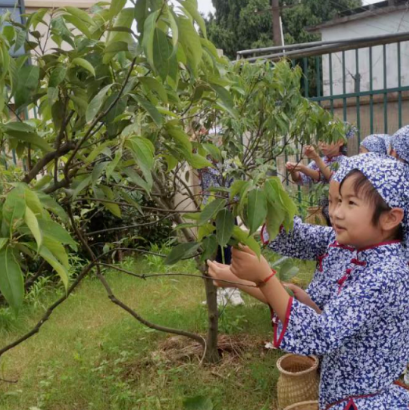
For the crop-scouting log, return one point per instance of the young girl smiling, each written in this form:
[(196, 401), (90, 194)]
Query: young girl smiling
[(362, 331)]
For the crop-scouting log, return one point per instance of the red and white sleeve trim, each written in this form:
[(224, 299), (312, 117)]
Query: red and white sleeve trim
[(262, 233), (278, 339)]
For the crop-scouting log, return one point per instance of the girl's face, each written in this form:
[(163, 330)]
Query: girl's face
[(333, 198), (330, 150), (362, 150), (352, 218)]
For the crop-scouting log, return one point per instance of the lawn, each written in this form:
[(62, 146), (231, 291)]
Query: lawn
[(91, 355)]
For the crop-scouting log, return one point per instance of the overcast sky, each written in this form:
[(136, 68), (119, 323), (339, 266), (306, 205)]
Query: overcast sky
[(205, 6)]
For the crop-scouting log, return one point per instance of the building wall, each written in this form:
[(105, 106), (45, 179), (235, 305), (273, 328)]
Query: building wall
[(34, 5), (374, 26)]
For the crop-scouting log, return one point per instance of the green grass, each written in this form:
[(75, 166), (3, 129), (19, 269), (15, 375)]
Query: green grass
[(91, 355)]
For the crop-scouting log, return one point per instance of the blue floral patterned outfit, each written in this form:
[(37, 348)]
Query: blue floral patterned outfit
[(362, 333), (314, 242), (363, 330), (330, 162), (375, 143), (213, 178), (400, 143)]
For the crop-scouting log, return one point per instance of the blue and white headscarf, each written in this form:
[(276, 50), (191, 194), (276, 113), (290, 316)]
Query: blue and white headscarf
[(400, 143), (375, 143), (351, 130), (387, 176)]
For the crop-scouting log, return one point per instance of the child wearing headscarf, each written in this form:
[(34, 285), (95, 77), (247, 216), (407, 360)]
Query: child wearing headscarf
[(374, 143), (400, 145), (363, 330)]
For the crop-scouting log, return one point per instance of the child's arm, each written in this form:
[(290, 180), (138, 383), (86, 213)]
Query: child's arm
[(302, 330), (224, 278), (304, 241), (324, 169), (296, 171), (247, 266)]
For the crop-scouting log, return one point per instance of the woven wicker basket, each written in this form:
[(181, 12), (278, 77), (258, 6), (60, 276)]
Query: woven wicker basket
[(298, 381), (305, 405)]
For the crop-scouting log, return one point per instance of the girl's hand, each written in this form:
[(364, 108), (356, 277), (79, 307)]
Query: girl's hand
[(309, 152), (293, 167), (222, 275), (302, 296), (246, 265)]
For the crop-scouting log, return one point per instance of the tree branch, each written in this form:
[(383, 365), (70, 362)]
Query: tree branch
[(118, 302)]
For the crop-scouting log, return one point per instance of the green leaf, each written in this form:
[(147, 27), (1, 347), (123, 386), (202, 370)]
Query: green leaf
[(96, 103), (150, 108), (116, 7), (174, 27), (274, 220), (162, 52), (149, 35), (11, 278), (205, 230), (57, 76), (248, 240), (32, 223), (58, 250), (81, 14), (199, 162), (224, 227), (190, 41), (183, 250), (114, 209), (81, 185), (28, 81), (116, 47), (113, 164), (33, 202), (191, 7), (288, 270), (52, 205), (14, 207), (181, 139), (78, 23), (213, 151), (226, 100), (53, 230), (197, 403), (154, 85), (211, 210), (137, 180), (3, 242), (209, 246), (60, 269), (143, 151), (256, 209), (80, 62), (236, 187)]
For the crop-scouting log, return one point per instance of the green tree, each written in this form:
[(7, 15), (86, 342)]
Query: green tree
[(245, 24), (114, 109)]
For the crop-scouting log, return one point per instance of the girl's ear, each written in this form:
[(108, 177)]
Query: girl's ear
[(391, 219)]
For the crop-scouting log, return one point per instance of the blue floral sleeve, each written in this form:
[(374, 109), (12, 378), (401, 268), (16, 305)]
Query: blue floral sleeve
[(368, 303), (305, 241)]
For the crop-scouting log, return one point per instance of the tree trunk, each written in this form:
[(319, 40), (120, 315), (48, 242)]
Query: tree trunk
[(212, 353)]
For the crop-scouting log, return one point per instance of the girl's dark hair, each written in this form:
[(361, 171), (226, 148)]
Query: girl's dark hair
[(364, 189), (343, 150)]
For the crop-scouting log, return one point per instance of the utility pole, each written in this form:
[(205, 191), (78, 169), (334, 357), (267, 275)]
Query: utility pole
[(275, 12)]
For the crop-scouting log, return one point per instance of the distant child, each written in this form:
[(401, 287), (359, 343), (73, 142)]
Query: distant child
[(400, 145), (374, 143), (362, 332)]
